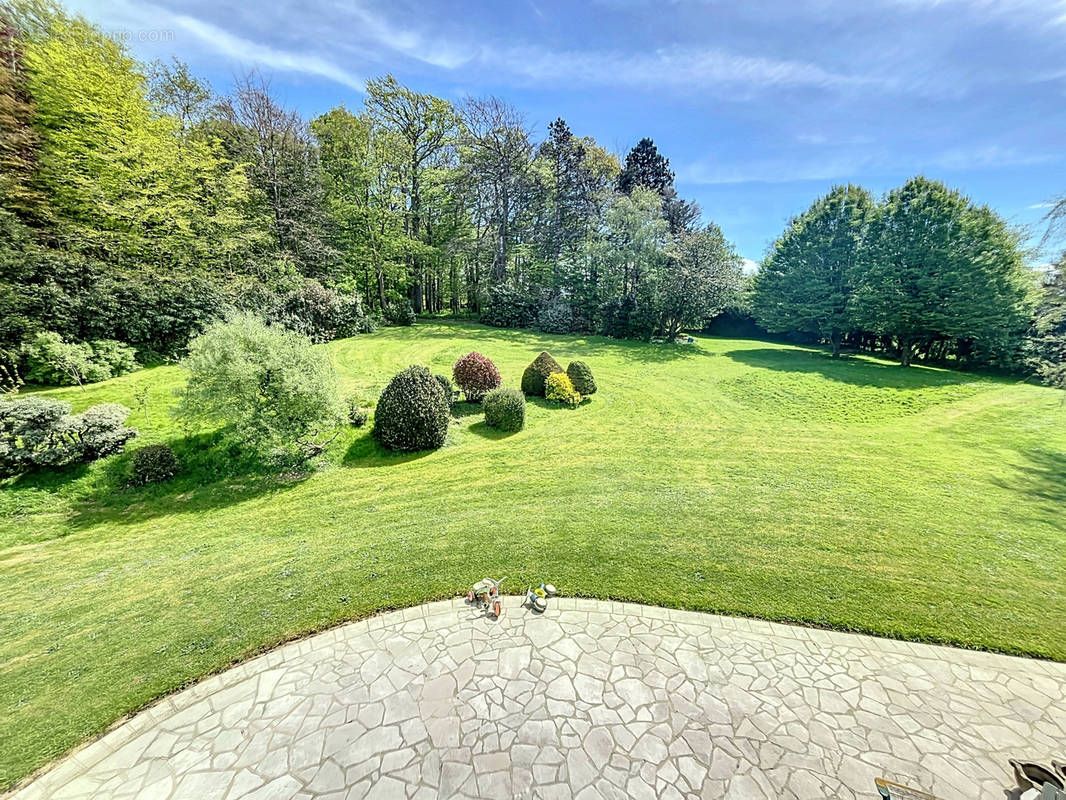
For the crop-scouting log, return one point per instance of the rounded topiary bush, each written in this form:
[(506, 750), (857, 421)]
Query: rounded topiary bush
[(412, 413), (476, 375), (559, 389), (446, 384), (581, 376), (537, 372), (153, 463), (505, 409)]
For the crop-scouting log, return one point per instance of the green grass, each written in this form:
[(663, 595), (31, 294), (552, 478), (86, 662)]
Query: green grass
[(734, 476)]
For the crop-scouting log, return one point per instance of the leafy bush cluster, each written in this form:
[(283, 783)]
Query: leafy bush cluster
[(546, 378), (413, 412), (505, 409), (559, 389), (41, 432), (556, 316), (152, 464), (400, 313), (476, 375), (627, 318), (321, 314), (51, 361), (536, 373), (510, 307)]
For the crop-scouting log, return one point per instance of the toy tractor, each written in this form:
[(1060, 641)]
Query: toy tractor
[(486, 594)]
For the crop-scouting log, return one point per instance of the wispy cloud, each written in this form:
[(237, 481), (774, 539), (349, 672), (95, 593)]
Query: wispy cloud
[(263, 55), (703, 71), (1037, 206)]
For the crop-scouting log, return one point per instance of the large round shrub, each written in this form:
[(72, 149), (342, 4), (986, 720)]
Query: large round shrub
[(556, 317), (413, 412), (537, 372), (153, 463), (476, 375), (581, 376), (505, 409)]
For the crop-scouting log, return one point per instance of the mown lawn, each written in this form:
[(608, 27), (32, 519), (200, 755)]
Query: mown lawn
[(729, 475)]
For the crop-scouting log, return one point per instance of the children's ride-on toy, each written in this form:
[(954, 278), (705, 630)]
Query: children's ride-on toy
[(486, 594), (537, 599)]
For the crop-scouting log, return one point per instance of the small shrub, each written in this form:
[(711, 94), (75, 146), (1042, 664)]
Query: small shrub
[(54, 362), (152, 464), (357, 414), (413, 412), (559, 389), (581, 376), (505, 409), (557, 317), (446, 384), (400, 313), (476, 375), (537, 372), (41, 432)]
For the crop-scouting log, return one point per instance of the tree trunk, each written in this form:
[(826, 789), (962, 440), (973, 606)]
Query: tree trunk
[(834, 340), (906, 351)]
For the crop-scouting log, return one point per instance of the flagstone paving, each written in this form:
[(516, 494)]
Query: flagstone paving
[(592, 699)]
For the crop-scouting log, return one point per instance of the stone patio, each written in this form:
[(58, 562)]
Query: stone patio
[(592, 699)]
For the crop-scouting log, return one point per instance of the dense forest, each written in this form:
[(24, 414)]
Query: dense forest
[(137, 205)]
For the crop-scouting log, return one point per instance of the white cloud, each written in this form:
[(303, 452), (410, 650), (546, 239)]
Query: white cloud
[(700, 70), (749, 267), (262, 55), (1036, 206)]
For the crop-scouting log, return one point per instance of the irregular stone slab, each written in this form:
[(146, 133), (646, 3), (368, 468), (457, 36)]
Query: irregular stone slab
[(591, 699)]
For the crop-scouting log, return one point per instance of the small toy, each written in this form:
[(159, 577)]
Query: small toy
[(537, 599), (486, 594)]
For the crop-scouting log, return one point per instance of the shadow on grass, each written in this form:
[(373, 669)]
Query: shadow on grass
[(216, 471), (366, 452), (847, 369), (1043, 478), (463, 409), (483, 430)]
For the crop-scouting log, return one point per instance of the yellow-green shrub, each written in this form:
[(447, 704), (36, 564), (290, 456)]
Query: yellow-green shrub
[(560, 389)]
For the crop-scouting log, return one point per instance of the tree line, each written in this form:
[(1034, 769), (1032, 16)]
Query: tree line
[(137, 205), (924, 273)]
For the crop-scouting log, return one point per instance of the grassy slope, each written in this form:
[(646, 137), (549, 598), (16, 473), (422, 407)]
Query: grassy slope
[(733, 476)]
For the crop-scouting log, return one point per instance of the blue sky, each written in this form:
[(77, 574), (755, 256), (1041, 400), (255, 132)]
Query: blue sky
[(760, 106)]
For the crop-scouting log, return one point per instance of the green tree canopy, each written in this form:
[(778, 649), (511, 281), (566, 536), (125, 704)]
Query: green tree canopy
[(807, 282)]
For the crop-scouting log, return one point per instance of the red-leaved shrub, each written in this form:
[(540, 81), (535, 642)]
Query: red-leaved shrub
[(476, 376)]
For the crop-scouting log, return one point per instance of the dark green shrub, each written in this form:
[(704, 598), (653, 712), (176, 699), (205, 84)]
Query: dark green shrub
[(559, 389), (152, 464), (446, 384), (413, 412), (557, 317), (537, 372), (505, 409), (400, 313), (41, 432), (509, 307), (581, 376), (476, 375)]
